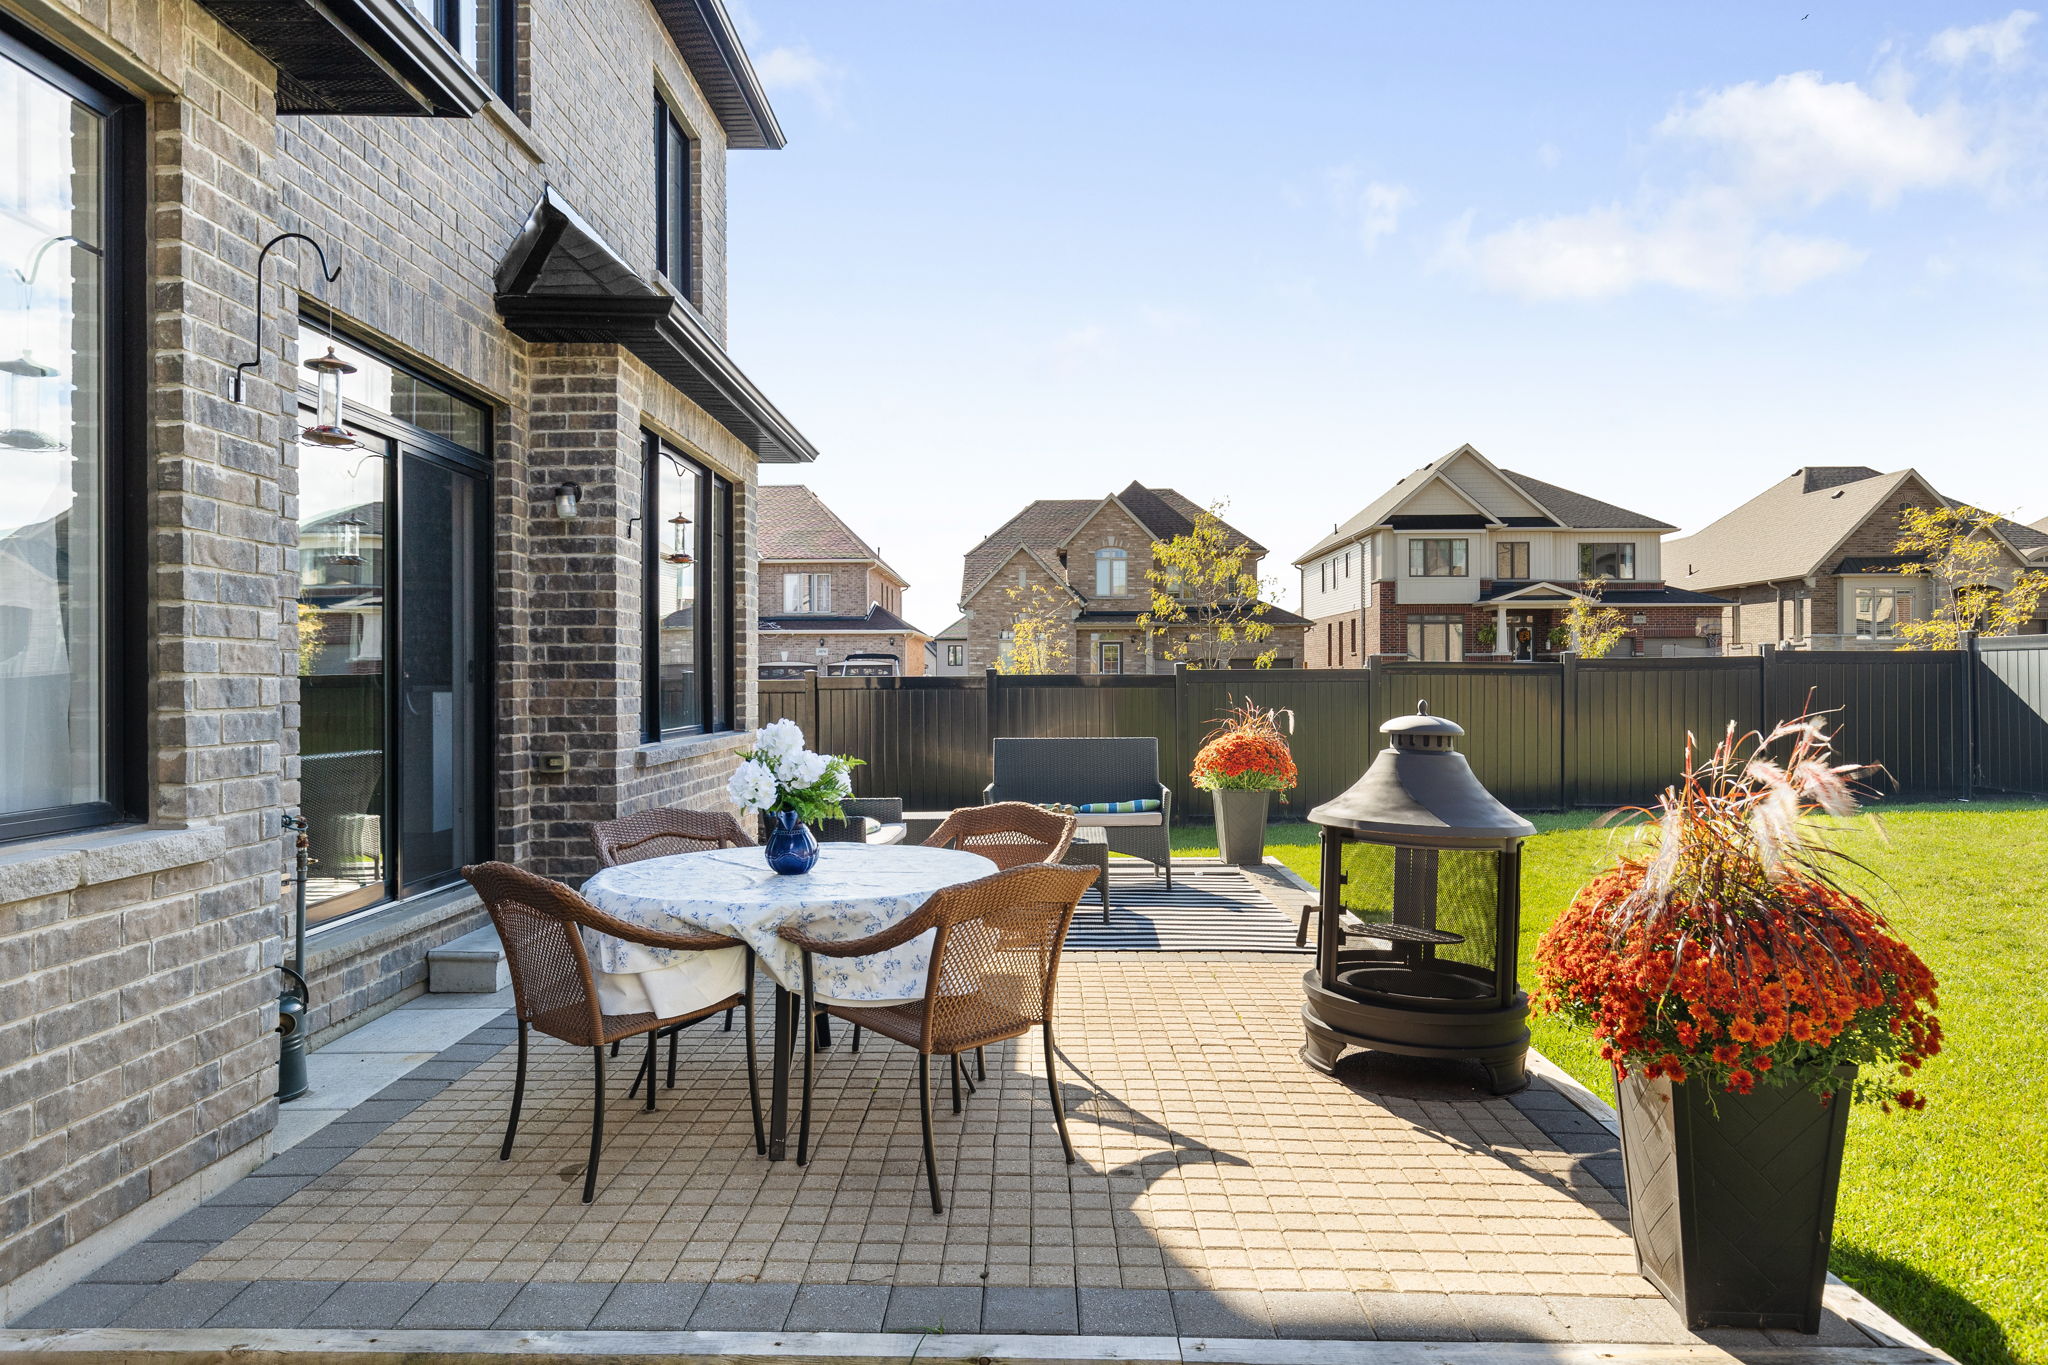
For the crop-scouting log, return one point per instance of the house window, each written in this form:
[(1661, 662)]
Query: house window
[(1347, 563), (689, 595), (1607, 559), (393, 643), (1880, 610), (1436, 639), (1323, 569), (1511, 559), (672, 201), (1111, 566), (806, 594), (1437, 558), (64, 217), (956, 656), (483, 31), (1109, 656)]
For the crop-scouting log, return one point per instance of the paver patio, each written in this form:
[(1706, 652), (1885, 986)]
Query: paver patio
[(1222, 1189)]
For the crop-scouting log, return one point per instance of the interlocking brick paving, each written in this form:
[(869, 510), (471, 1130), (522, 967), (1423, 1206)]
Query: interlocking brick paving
[(1210, 1159)]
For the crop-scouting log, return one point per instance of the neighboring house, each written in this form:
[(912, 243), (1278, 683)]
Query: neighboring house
[(1096, 554), (948, 651), (827, 597), (1465, 560), (463, 633), (1811, 562)]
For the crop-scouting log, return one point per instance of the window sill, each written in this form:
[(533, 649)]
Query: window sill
[(663, 752), (515, 129), (65, 862), (368, 930)]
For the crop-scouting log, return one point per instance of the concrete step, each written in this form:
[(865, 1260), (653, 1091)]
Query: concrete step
[(471, 965)]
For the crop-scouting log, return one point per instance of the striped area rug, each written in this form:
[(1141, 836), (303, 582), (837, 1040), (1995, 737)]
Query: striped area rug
[(1210, 910)]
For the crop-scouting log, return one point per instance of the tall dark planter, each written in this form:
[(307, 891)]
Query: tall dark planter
[(1733, 1210), (1241, 826)]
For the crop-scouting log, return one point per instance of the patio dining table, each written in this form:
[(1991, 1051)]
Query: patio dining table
[(854, 890)]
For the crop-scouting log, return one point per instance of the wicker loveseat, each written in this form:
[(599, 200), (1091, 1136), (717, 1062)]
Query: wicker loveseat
[(1077, 772)]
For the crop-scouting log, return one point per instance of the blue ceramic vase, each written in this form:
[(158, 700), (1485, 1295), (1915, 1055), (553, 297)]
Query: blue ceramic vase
[(792, 848)]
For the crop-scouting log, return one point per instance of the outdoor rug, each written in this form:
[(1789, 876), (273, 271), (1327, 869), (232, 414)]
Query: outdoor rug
[(1209, 910)]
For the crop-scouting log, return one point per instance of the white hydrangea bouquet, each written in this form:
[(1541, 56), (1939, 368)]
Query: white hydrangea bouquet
[(780, 775)]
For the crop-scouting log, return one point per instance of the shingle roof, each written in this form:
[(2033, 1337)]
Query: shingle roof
[(796, 524), (956, 631), (1786, 531), (1048, 523), (1576, 509), (878, 618)]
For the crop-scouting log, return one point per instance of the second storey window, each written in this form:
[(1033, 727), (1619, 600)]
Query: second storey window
[(1437, 558), (672, 201), (482, 31), (1607, 559), (806, 594), (1111, 566), (1511, 559), (689, 595)]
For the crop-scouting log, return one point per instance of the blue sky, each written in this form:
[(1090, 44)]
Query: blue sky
[(1282, 253)]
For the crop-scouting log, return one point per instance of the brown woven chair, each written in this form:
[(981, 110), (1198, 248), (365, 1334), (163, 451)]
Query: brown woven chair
[(995, 962), (555, 990), (663, 833), (1007, 833)]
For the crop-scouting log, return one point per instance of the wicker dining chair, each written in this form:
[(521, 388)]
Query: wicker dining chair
[(662, 833), (1007, 833), (540, 923), (994, 966)]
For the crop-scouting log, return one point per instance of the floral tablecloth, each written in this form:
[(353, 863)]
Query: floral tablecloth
[(855, 890)]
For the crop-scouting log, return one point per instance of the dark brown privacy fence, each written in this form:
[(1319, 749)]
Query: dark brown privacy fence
[(1542, 736)]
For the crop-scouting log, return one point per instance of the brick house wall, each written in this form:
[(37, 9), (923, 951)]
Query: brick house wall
[(137, 963)]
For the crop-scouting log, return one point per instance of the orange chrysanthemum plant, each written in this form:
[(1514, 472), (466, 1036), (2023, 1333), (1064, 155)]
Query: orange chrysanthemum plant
[(1724, 946), (1246, 752)]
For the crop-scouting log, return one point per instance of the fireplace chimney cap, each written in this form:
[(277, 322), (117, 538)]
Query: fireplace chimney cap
[(1421, 789)]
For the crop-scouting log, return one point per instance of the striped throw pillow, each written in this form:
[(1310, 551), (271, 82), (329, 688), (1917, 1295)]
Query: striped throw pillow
[(1116, 807)]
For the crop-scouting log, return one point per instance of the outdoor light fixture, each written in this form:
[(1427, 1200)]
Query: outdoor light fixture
[(327, 429), (679, 552), (568, 494)]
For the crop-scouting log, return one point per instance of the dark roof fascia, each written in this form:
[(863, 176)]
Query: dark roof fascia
[(1437, 521), (375, 57), (1876, 563), (1669, 597), (703, 32), (1531, 521)]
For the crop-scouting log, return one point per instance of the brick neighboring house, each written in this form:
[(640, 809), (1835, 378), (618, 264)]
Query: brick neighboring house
[(826, 594), (1096, 552), (1461, 548), (525, 201), (1811, 562)]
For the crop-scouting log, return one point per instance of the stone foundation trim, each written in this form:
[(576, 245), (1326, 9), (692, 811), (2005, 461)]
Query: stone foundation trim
[(685, 747), (49, 867)]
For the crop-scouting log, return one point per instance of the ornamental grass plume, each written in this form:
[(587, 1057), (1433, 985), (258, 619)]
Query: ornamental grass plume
[(1725, 945), (1246, 752)]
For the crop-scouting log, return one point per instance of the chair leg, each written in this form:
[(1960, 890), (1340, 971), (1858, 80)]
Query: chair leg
[(924, 1109), (856, 1037), (518, 1097), (754, 1065), (597, 1123), (1052, 1089), (803, 1122), (674, 1036), (981, 1063), (728, 1022), (955, 1060), (653, 1039), (615, 1047)]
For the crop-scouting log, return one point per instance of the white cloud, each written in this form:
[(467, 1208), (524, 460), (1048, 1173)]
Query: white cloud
[(2002, 42), (1708, 242), (1801, 137), (1375, 208), (1548, 156), (798, 70)]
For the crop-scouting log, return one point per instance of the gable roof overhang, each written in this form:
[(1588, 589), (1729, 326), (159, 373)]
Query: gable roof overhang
[(703, 32), (560, 282), (1051, 570), (374, 57)]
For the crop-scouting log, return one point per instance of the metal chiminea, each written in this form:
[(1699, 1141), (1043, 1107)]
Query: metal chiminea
[(1432, 863)]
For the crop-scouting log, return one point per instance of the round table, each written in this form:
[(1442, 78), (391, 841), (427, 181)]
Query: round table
[(854, 890)]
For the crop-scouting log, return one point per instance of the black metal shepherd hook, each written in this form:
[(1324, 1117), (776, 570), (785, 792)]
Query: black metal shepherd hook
[(268, 247)]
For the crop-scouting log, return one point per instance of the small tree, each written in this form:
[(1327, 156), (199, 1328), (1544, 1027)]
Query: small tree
[(1595, 629), (1039, 632), (1957, 550), (1206, 605)]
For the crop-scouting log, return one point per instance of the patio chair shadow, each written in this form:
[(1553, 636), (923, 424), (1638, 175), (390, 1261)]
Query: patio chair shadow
[(1088, 1102)]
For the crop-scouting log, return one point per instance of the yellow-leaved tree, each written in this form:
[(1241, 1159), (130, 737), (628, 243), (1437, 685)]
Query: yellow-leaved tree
[(1593, 627), (1039, 634), (1206, 604), (1974, 586)]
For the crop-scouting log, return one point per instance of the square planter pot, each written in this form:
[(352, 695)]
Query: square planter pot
[(1241, 826), (1733, 1210)]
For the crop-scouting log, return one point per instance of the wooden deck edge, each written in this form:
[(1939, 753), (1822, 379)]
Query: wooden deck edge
[(212, 1346)]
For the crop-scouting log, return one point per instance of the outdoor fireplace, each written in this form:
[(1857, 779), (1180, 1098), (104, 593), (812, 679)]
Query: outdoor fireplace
[(1431, 863)]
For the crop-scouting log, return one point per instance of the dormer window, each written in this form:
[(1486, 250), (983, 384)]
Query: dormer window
[(1112, 567)]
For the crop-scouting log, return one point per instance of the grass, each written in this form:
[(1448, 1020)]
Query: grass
[(1943, 1215)]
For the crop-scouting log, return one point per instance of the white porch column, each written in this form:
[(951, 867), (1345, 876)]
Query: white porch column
[(1501, 643)]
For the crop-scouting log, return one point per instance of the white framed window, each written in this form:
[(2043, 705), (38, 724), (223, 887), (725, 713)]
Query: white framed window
[(1607, 559), (1436, 639), (1112, 567), (1109, 656), (1431, 558), (806, 594), (1880, 609)]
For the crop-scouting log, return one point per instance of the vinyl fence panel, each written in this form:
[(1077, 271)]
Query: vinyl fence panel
[(1630, 717), (1908, 710), (2012, 714)]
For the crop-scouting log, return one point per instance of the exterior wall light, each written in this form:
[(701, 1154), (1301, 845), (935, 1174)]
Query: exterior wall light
[(568, 496)]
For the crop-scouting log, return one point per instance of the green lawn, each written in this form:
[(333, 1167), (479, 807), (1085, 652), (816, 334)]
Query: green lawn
[(1944, 1214)]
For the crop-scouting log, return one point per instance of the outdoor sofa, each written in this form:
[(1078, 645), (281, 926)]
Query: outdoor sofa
[(1078, 772)]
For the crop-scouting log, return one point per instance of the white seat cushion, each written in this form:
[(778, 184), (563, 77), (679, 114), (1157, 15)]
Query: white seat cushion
[(1129, 817)]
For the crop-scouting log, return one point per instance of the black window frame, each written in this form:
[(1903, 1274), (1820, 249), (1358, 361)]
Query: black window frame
[(718, 686), (122, 685), (1513, 550), (1589, 558), (497, 67), (675, 206)]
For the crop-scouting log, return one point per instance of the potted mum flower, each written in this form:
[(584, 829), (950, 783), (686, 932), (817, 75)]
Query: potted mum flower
[(1743, 995), (1242, 762), (792, 786)]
